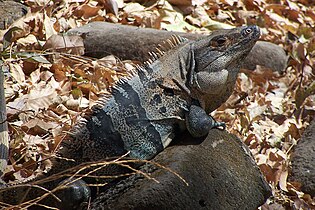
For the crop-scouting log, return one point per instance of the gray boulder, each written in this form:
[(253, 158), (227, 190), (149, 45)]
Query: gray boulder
[(303, 161), (268, 55), (220, 173), (133, 43), (10, 11)]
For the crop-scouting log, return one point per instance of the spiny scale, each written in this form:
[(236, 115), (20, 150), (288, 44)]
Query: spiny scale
[(171, 43)]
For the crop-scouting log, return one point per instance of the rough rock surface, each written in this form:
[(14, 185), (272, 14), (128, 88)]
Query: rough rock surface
[(220, 174), (268, 55), (128, 42), (303, 161), (10, 11)]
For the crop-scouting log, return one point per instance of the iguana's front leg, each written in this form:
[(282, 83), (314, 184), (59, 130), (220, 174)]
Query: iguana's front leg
[(198, 122), (74, 194)]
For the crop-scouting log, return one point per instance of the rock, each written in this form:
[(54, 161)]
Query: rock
[(133, 43), (220, 174), (268, 55), (303, 161), (10, 11), (126, 42)]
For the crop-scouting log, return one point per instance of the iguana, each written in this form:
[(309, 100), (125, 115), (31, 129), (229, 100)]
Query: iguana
[(173, 91)]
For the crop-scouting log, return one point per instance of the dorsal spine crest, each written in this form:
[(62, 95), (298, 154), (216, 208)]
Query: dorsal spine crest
[(171, 43)]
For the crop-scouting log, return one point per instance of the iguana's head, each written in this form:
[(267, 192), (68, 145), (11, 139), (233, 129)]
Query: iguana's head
[(225, 49)]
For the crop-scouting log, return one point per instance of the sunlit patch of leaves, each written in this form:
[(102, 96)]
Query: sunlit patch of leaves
[(45, 99), (49, 84)]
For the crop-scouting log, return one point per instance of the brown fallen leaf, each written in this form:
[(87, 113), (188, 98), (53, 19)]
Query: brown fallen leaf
[(38, 126), (17, 73), (67, 44)]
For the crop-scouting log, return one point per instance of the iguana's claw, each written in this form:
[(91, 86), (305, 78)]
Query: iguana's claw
[(219, 125)]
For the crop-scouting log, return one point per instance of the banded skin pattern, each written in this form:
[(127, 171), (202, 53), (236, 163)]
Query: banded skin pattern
[(140, 117), (174, 91)]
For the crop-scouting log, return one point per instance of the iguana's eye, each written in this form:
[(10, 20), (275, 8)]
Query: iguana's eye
[(248, 30), (218, 41), (221, 41)]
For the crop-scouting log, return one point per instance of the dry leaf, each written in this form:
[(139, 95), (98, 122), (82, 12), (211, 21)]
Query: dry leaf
[(283, 181), (17, 73), (49, 27), (72, 44), (112, 6), (87, 11), (13, 34)]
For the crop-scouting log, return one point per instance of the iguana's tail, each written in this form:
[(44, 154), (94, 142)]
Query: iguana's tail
[(4, 136)]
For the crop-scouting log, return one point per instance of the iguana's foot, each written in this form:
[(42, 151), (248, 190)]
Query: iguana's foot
[(219, 125), (74, 195), (198, 122)]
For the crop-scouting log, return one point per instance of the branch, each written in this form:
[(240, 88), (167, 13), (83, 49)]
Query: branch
[(4, 137)]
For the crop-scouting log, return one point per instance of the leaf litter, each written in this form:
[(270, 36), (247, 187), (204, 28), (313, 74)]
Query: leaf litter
[(50, 84)]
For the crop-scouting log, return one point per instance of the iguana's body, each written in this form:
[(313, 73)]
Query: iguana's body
[(173, 92)]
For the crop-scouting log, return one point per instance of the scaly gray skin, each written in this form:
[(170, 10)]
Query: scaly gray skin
[(172, 92)]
